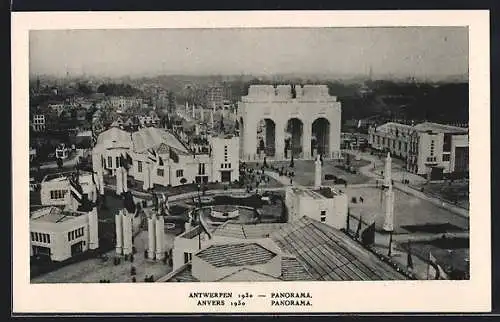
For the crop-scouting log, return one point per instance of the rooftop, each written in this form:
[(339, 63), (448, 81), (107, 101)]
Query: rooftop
[(321, 193), (329, 254), (246, 231), (53, 215), (85, 176), (291, 270), (440, 128), (114, 137), (422, 127), (150, 137), (240, 254)]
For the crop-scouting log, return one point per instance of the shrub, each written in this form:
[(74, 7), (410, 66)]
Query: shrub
[(183, 181)]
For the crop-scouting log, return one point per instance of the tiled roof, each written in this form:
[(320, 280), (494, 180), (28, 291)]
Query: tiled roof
[(328, 254), (246, 231), (291, 270), (247, 274), (114, 137), (241, 254), (440, 128), (151, 137)]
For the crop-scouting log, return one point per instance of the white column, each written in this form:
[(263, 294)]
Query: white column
[(160, 236), (152, 167), (119, 181), (127, 232), (100, 177), (187, 226), (193, 112), (124, 177), (306, 140), (93, 229), (145, 185), (317, 173), (334, 141), (389, 210), (388, 170), (279, 143), (119, 233), (151, 237)]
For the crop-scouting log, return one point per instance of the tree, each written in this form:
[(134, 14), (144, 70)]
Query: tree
[(183, 181), (291, 162)]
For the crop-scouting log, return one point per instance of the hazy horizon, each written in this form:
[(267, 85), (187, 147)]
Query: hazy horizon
[(420, 52)]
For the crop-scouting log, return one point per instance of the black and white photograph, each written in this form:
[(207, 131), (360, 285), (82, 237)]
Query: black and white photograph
[(252, 154)]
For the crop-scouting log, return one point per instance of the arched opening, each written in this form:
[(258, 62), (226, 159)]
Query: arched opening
[(266, 133), (320, 140), (293, 137)]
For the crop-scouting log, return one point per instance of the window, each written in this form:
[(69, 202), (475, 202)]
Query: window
[(229, 165), (323, 216), (187, 257), (57, 194), (399, 145), (117, 162), (69, 236), (32, 236), (110, 162), (160, 172), (446, 157), (179, 173), (48, 239), (222, 165), (139, 166)]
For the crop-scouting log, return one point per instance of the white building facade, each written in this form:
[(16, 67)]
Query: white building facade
[(176, 164), (427, 147), (324, 205), (55, 189), (299, 120), (61, 235)]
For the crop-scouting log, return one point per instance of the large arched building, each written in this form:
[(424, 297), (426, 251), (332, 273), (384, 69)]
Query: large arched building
[(285, 120)]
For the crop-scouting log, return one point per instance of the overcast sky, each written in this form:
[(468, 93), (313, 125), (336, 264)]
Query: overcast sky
[(416, 51)]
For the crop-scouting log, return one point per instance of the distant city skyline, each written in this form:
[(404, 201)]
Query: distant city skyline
[(420, 52)]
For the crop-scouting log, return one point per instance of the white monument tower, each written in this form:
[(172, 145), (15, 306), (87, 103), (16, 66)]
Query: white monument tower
[(389, 196), (151, 236), (317, 172), (119, 233), (202, 114), (212, 119)]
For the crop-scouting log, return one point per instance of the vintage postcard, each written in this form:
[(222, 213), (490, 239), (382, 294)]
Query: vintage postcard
[(251, 162)]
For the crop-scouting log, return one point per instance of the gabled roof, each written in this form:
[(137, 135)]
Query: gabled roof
[(114, 137), (330, 255), (241, 254), (153, 138)]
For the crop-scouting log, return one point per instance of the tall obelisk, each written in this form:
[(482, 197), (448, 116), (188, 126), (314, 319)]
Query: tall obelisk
[(389, 196)]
